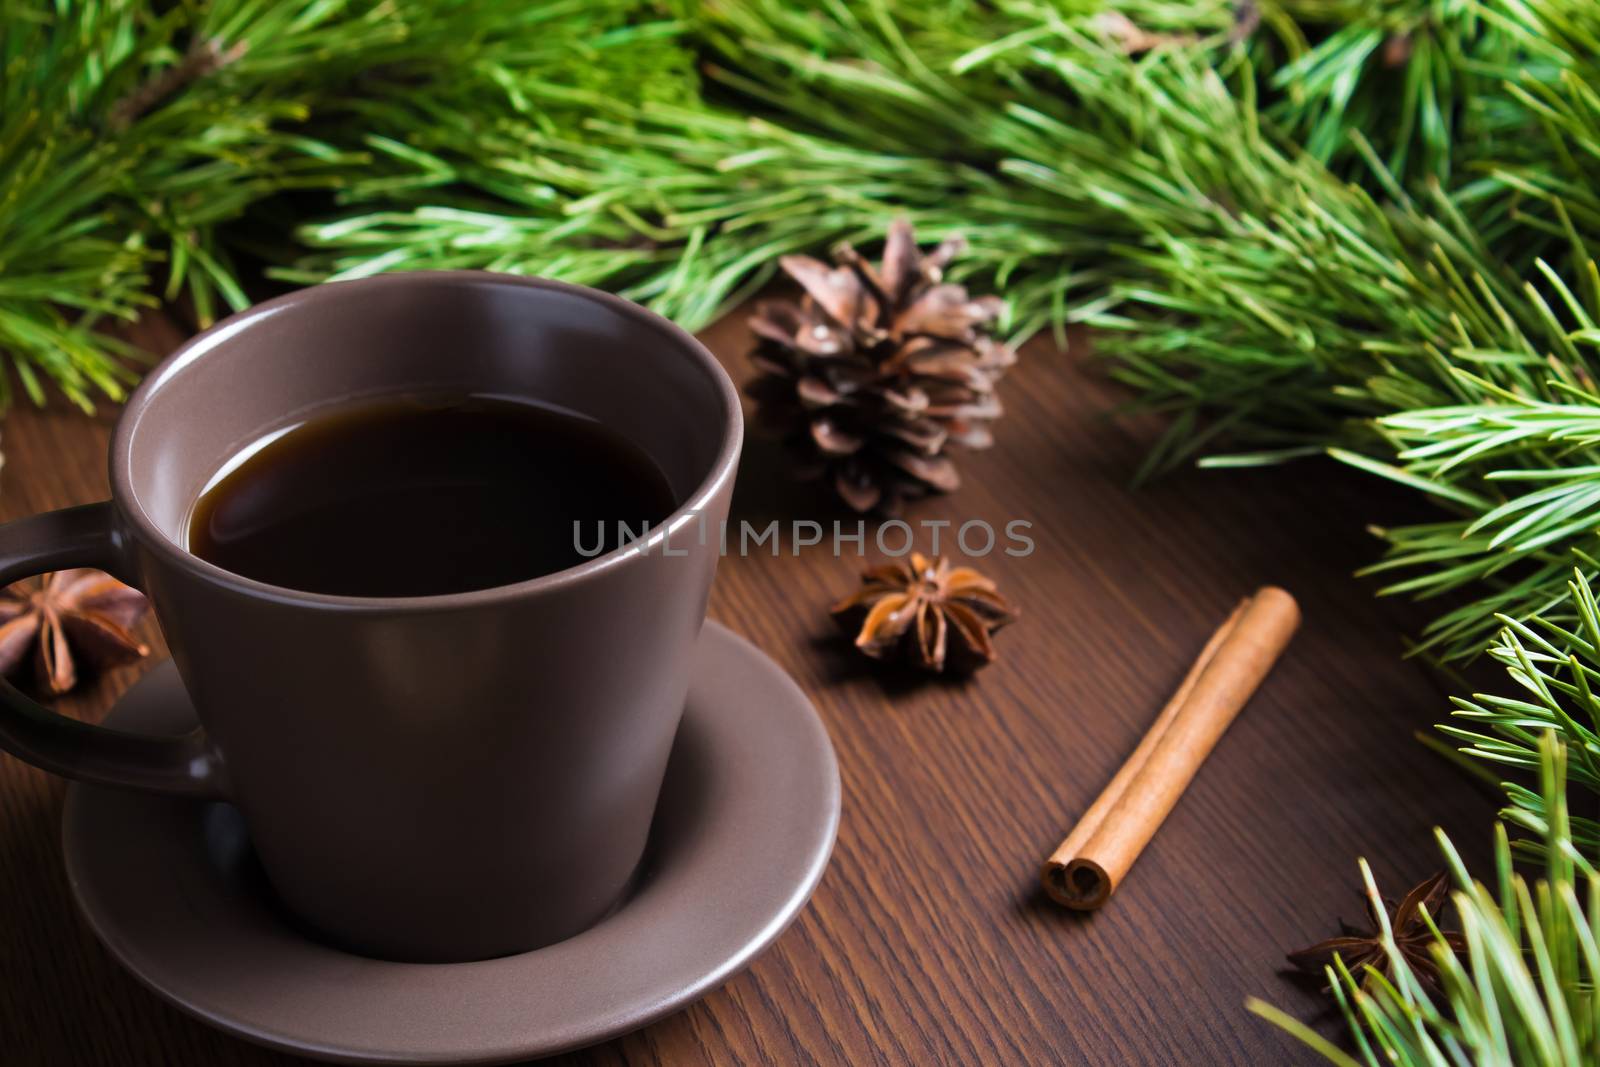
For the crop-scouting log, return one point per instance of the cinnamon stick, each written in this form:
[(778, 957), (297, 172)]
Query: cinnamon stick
[(1091, 862)]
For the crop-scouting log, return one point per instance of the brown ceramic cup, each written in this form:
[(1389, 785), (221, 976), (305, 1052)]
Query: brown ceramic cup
[(424, 778)]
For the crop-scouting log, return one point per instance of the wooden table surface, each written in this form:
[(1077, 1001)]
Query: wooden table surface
[(928, 940)]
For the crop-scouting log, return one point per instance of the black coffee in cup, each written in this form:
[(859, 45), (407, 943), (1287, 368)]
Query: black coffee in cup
[(417, 496)]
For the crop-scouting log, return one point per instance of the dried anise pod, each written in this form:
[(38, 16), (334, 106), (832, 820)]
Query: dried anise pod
[(878, 370), (1360, 948), (926, 611), (70, 616)]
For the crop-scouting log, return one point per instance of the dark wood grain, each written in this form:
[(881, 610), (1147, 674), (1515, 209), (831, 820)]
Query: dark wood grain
[(928, 941)]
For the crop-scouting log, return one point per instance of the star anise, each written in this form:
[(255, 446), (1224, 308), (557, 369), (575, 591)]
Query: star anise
[(1360, 948), (70, 616), (927, 612)]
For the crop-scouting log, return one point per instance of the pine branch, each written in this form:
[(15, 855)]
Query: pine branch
[(204, 57), (1523, 992), (1554, 660), (128, 138)]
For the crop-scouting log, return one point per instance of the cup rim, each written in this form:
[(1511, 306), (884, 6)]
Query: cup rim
[(130, 507)]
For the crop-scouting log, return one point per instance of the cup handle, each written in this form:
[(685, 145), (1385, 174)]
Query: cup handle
[(184, 766)]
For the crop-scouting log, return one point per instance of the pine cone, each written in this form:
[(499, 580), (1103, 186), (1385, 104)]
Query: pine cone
[(877, 371)]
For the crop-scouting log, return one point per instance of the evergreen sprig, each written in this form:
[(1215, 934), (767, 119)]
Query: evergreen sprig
[(1556, 668), (138, 144), (1526, 992)]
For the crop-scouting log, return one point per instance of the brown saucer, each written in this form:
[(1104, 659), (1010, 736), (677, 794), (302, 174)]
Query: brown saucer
[(746, 821)]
